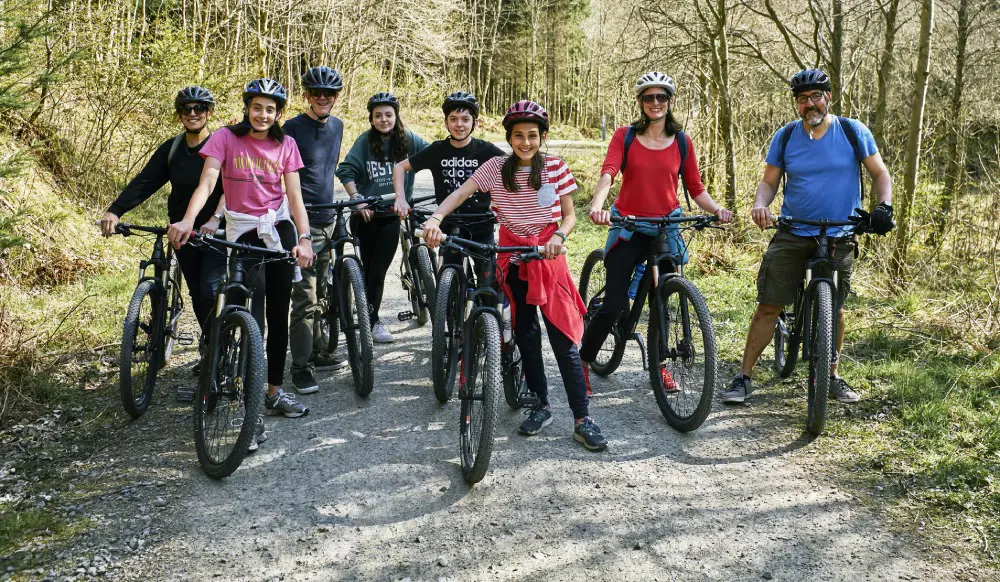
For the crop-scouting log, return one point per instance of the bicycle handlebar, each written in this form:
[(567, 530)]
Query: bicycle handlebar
[(419, 199), (630, 221), (789, 221), (350, 202), (125, 229), (488, 248), (283, 254)]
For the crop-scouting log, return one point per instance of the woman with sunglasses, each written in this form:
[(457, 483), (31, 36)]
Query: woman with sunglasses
[(649, 189), (178, 162)]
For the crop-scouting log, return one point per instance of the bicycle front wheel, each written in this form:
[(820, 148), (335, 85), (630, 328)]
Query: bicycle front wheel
[(173, 312), (139, 360), (513, 376), (821, 347), (786, 344), (683, 363), (446, 333), (428, 285), (479, 398), (357, 326), (593, 280), (230, 395), (328, 320)]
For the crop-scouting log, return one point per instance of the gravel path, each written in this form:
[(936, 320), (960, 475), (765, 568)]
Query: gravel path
[(371, 489)]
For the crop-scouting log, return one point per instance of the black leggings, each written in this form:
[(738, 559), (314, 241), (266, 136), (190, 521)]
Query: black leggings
[(379, 239), (528, 335), (202, 268), (272, 293), (619, 264)]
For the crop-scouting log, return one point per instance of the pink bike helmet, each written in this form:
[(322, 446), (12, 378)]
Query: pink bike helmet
[(526, 111)]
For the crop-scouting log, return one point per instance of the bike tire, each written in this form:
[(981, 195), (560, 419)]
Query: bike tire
[(428, 285), (672, 316), (479, 403), (328, 322), (446, 333), (357, 326), (513, 376), (173, 313), (821, 342), (592, 282), (138, 359), (230, 395), (786, 345)]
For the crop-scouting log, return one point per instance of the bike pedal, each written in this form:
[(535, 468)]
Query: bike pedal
[(405, 315), (184, 339), (185, 395)]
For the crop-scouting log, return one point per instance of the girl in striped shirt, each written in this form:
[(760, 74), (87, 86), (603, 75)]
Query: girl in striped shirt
[(531, 196)]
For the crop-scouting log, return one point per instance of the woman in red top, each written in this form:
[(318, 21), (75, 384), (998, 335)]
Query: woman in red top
[(532, 197), (649, 189)]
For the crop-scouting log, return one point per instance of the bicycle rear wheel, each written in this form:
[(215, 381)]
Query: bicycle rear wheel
[(479, 401), (230, 395), (446, 333), (513, 376), (428, 285), (821, 348), (681, 342), (786, 343), (357, 326), (138, 360), (593, 280)]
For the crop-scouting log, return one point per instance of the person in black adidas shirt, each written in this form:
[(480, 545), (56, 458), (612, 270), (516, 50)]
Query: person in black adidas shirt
[(452, 162), (177, 161)]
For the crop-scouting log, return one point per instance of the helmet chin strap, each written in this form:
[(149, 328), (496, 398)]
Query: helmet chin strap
[(318, 116)]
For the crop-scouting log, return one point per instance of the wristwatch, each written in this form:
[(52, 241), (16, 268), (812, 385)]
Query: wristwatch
[(306, 235), (561, 234), (217, 216)]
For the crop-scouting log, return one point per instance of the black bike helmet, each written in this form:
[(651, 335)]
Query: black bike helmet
[(461, 100), (382, 98), (265, 88), (194, 94), (809, 79), (322, 78)]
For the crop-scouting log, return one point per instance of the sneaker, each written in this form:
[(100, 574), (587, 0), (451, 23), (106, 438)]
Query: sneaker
[(841, 391), (324, 360), (589, 435), (381, 334), (284, 403), (258, 438), (669, 384), (738, 390), (304, 382), (586, 381), (539, 417)]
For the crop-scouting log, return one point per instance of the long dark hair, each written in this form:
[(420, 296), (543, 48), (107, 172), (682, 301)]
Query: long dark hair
[(670, 127), (399, 142), (243, 128), (509, 169)]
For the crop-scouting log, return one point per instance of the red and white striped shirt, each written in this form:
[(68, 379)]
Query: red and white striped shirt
[(520, 211)]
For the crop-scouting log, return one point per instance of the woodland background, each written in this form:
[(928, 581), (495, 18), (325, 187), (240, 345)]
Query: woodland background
[(86, 91)]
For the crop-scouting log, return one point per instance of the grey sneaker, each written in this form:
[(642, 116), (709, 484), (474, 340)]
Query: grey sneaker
[(331, 361), (738, 390), (258, 438), (842, 392), (304, 382), (380, 334), (284, 403), (589, 435), (539, 417)]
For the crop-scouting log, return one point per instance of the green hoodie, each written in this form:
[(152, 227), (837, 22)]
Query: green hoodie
[(371, 176)]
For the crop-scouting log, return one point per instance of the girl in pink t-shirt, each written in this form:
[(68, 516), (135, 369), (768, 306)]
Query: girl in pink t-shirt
[(254, 157)]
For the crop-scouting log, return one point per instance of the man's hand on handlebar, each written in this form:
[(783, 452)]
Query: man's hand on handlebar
[(761, 216), (303, 253)]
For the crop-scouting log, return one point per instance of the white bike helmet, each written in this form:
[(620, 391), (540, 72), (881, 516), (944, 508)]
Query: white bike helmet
[(655, 79)]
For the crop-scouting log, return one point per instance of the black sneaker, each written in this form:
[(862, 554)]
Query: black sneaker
[(329, 361), (842, 391), (304, 382), (539, 417), (738, 390), (589, 435)]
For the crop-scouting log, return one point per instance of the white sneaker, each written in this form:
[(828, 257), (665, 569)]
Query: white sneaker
[(380, 334)]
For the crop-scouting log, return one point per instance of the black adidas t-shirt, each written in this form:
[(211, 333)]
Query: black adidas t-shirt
[(452, 167)]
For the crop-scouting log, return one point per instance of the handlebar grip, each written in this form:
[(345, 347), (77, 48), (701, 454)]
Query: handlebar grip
[(420, 233), (388, 197)]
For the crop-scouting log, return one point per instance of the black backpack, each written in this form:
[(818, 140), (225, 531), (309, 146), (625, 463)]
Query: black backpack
[(849, 132), (682, 145)]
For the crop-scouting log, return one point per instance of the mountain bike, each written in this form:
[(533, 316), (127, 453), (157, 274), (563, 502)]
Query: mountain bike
[(481, 344), (230, 397), (680, 334), (816, 296), (345, 304), (150, 329), (416, 270)]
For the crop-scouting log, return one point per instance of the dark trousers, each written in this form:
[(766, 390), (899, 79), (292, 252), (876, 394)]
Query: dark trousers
[(619, 264), (202, 268), (528, 335), (379, 239), (272, 292), (453, 257)]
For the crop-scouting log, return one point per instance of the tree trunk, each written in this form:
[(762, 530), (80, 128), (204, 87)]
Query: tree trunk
[(837, 57), (890, 14), (913, 142), (721, 61)]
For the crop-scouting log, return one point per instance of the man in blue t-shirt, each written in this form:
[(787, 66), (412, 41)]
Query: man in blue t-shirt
[(822, 182)]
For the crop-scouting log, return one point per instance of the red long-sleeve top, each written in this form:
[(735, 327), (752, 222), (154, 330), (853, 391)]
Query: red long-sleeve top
[(649, 186)]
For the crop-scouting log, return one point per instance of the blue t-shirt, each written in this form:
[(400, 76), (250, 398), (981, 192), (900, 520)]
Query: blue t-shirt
[(821, 176)]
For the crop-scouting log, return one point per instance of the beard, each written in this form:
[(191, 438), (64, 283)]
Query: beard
[(813, 116)]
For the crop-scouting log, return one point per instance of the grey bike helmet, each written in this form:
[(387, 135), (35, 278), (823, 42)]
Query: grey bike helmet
[(194, 94), (322, 78), (808, 79), (655, 79)]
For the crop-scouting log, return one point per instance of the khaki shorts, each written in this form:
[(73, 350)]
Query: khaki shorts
[(784, 267)]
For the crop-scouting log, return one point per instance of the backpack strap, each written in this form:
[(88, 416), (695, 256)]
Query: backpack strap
[(629, 138), (682, 147), (174, 147), (852, 137), (786, 134)]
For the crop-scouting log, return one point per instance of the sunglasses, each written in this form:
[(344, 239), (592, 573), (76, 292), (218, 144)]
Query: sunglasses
[(319, 93), (657, 97), (189, 109)]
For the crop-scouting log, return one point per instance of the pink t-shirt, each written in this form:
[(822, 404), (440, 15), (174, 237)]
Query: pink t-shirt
[(252, 169)]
